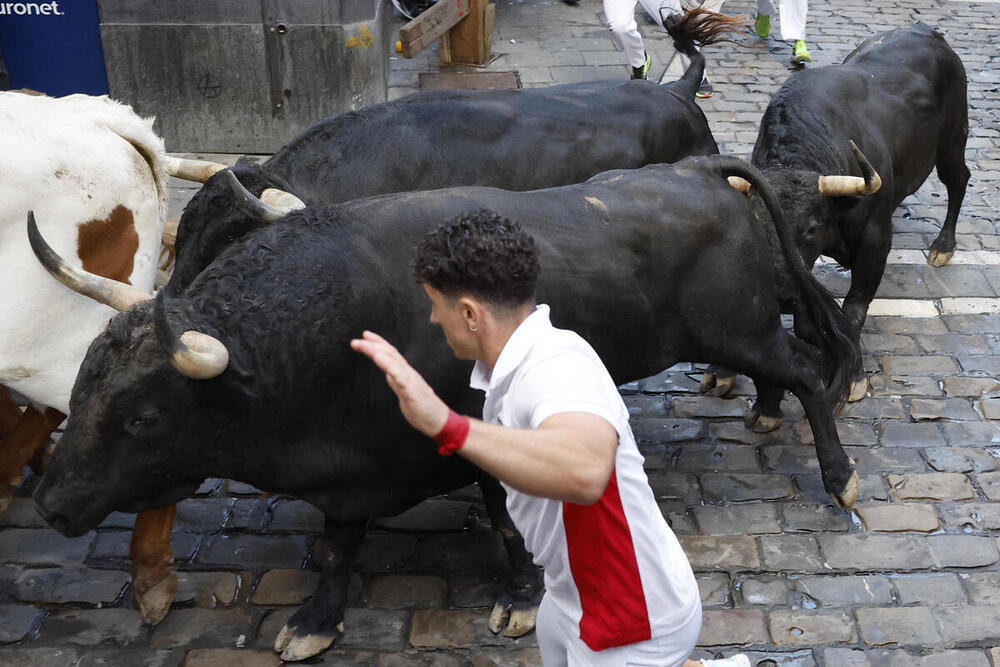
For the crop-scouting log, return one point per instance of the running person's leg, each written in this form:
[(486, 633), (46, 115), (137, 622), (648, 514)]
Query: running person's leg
[(560, 645), (793, 28), (551, 635), (793, 19), (670, 651), (765, 7), (660, 9), (620, 15), (765, 10)]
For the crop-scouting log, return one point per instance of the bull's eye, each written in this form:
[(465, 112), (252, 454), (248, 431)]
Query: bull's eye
[(141, 423)]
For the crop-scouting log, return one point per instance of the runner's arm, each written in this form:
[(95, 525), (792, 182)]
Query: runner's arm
[(569, 457)]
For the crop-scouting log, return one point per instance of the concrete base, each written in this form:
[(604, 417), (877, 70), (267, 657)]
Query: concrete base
[(233, 77)]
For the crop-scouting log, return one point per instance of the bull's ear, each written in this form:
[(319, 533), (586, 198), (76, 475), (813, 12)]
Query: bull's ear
[(844, 205), (810, 230)]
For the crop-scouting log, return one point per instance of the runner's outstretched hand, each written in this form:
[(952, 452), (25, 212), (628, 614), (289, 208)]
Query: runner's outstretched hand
[(417, 401)]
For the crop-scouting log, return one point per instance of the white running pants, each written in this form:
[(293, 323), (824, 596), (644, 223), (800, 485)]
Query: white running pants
[(620, 15), (560, 645), (793, 16)]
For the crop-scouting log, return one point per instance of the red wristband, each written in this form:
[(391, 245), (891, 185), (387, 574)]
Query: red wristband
[(453, 434)]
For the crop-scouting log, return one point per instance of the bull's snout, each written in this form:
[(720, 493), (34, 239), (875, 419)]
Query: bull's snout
[(60, 521)]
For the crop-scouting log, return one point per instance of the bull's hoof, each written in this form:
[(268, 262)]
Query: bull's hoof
[(293, 648), (714, 385), (723, 385), (760, 423), (765, 424), (522, 621), (940, 258), (499, 616), (154, 601), (514, 620), (849, 495), (859, 389)]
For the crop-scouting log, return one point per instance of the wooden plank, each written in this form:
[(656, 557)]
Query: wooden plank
[(472, 40), (444, 47), (491, 14), (436, 21)]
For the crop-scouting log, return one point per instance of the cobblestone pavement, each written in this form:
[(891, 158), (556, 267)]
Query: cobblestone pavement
[(910, 577)]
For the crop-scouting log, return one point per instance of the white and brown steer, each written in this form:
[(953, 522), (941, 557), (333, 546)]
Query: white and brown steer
[(99, 172)]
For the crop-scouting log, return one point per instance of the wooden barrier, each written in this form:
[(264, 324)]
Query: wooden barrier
[(465, 28)]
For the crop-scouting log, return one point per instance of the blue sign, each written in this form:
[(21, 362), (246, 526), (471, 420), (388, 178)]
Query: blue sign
[(53, 47)]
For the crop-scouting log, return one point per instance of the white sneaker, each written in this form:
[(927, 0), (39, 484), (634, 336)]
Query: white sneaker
[(738, 660)]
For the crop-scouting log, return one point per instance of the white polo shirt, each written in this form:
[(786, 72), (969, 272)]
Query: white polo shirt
[(613, 567)]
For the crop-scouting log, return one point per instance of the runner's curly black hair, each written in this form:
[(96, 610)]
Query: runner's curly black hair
[(483, 254)]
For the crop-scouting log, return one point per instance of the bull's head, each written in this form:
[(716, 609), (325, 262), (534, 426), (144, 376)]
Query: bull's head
[(214, 217), (811, 200), (131, 437)]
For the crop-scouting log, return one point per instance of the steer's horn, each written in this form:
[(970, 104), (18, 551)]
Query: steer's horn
[(118, 295), (741, 184), (849, 186), (195, 354), (258, 208), (193, 170)]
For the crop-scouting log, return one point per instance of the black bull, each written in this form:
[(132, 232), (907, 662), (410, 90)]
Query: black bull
[(625, 258), (510, 139), (901, 96)]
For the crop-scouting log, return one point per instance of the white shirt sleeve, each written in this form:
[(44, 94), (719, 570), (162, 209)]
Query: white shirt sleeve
[(565, 382)]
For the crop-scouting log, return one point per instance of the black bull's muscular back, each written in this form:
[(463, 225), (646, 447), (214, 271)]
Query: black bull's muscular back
[(511, 139)]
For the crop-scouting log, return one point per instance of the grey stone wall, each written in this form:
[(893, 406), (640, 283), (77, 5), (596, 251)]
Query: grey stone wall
[(233, 76)]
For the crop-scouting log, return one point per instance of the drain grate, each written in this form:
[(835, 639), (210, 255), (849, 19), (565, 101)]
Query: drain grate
[(470, 80)]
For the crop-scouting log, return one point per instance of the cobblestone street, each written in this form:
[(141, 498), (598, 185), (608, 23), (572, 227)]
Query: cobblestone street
[(909, 577)]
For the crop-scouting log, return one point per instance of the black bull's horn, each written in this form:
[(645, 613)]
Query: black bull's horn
[(836, 186), (272, 206), (741, 184), (193, 353), (200, 171), (849, 186)]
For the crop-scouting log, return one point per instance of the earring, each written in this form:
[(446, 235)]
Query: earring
[(472, 328)]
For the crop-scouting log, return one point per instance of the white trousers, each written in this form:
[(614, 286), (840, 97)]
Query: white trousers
[(620, 15), (793, 16), (560, 644)]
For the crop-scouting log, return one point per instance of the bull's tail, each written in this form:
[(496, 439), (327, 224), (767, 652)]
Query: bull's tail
[(840, 349), (699, 27)]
